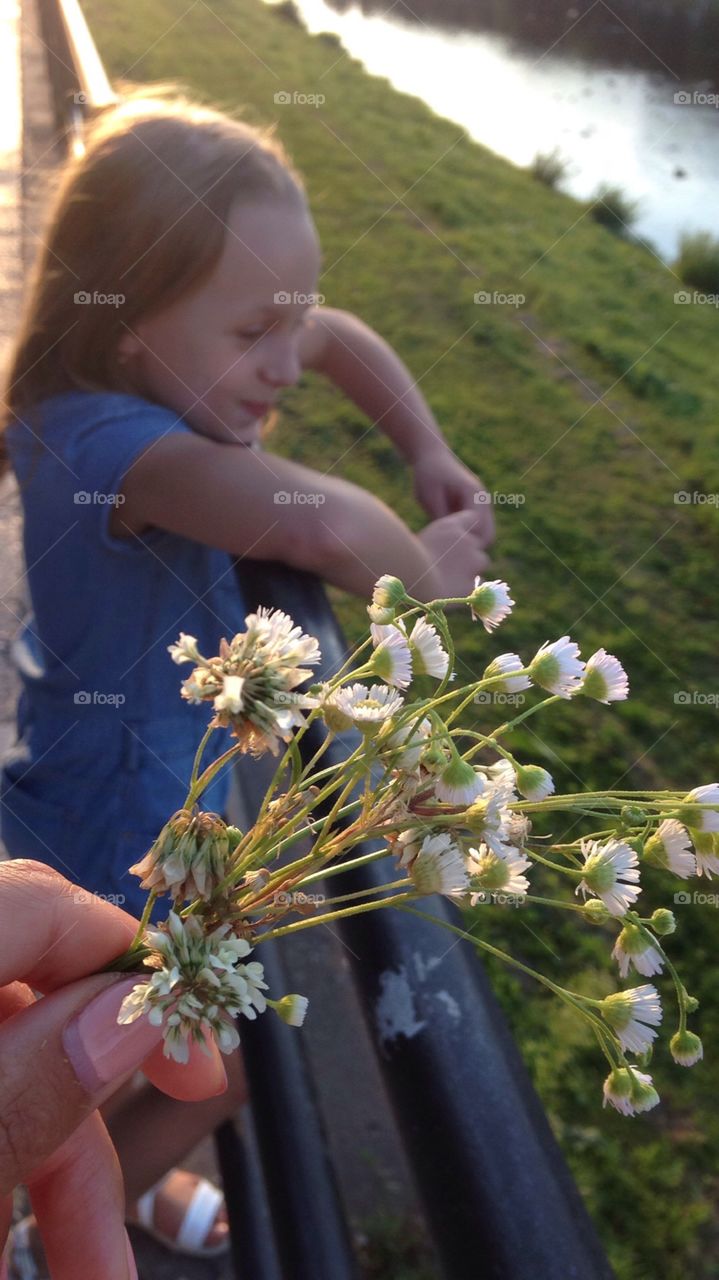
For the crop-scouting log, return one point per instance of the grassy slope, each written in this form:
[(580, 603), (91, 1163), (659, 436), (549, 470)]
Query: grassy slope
[(599, 547)]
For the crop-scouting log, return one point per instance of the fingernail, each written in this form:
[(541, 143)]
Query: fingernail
[(131, 1265), (100, 1050)]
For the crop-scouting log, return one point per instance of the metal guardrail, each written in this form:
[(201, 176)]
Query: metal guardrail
[(497, 1193)]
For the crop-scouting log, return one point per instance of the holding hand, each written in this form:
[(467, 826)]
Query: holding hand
[(64, 1055), (455, 545), (442, 484)]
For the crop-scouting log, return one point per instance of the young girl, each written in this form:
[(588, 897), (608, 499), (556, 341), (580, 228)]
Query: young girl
[(171, 304)]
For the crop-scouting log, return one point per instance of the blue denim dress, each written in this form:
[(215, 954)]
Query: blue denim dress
[(105, 743)]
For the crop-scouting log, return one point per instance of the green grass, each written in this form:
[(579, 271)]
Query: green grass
[(698, 261), (599, 548)]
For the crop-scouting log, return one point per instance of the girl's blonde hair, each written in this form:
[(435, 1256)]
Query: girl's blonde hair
[(141, 214)]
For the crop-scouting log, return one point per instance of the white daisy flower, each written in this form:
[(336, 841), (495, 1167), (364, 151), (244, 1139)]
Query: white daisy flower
[(503, 780), (231, 698), (458, 782), (534, 782), (611, 872), (701, 819), (633, 1015), (490, 873), (366, 707), (686, 1048), (412, 739), (291, 1009), (706, 849), (428, 655), (439, 867), (604, 678), (629, 1091), (631, 947), (185, 650), (500, 671), (557, 667), (670, 847), (490, 602), (388, 592), (392, 660)]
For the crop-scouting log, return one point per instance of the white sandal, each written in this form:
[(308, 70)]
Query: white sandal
[(196, 1224)]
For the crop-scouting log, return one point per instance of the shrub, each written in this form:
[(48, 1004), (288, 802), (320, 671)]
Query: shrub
[(698, 261), (612, 209), (548, 167)]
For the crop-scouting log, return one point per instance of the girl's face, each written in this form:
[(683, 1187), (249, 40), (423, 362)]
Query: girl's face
[(220, 356)]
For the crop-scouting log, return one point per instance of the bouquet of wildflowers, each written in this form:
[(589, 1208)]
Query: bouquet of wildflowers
[(451, 806)]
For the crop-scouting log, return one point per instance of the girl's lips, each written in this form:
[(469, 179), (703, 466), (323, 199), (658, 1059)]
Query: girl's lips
[(257, 407)]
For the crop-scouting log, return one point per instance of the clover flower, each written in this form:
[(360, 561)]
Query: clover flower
[(189, 857), (253, 679), (557, 667), (199, 985), (611, 872)]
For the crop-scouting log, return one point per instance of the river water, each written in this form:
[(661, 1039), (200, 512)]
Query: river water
[(619, 124)]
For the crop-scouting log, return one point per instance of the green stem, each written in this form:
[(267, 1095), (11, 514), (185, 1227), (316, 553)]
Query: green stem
[(334, 915)]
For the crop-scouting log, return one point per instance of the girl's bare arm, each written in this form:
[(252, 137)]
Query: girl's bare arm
[(269, 508)]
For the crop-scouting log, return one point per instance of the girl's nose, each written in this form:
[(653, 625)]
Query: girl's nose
[(284, 371)]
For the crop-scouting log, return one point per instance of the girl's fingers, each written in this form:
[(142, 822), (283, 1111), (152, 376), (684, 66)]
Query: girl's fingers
[(79, 1202)]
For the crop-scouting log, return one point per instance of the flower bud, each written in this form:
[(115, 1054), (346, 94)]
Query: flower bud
[(595, 911), (686, 1048), (632, 816), (663, 922)]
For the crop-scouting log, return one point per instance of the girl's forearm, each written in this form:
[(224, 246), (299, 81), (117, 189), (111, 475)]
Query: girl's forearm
[(368, 370)]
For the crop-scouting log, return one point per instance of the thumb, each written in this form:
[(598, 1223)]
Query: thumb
[(61, 1057)]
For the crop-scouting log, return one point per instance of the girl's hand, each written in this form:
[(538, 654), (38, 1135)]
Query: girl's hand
[(63, 1055), (442, 484), (455, 545)]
